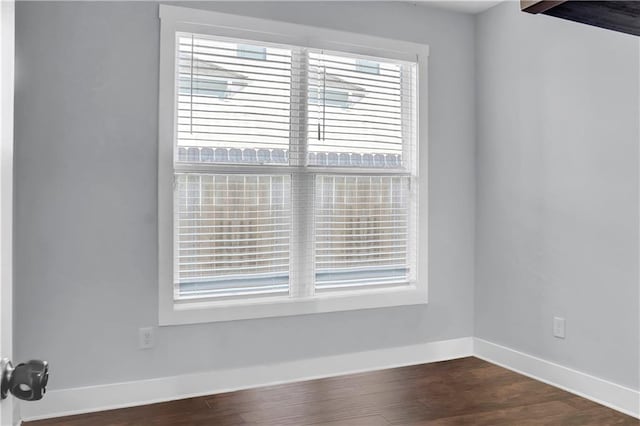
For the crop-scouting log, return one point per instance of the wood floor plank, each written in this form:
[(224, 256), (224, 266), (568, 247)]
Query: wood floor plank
[(516, 415), (358, 421), (465, 391)]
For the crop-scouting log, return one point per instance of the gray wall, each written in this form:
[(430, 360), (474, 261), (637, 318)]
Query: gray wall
[(85, 222), (557, 191)]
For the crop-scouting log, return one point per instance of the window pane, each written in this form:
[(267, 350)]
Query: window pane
[(232, 234), (234, 101), (361, 228), (360, 111)]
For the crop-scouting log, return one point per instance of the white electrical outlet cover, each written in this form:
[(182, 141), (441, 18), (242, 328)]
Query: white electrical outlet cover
[(146, 338), (559, 327)]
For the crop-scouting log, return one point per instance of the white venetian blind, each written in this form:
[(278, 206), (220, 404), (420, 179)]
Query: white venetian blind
[(361, 226), (361, 116), (243, 229), (232, 234), (360, 111), (234, 101)]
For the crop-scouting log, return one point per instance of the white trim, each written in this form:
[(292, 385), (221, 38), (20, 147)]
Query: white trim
[(603, 392), (7, 81), (166, 129), (264, 307), (235, 26), (174, 19), (118, 395)]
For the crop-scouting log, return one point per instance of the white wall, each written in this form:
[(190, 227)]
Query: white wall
[(85, 222), (557, 191)]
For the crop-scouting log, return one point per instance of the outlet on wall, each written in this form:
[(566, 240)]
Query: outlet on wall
[(146, 338), (559, 327)]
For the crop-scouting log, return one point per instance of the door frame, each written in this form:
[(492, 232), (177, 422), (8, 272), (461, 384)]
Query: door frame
[(7, 79)]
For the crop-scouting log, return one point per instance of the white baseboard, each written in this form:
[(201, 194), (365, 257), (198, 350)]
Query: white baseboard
[(603, 392), (118, 395)]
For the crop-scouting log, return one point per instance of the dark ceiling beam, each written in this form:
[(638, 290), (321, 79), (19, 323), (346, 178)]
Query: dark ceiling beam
[(537, 6)]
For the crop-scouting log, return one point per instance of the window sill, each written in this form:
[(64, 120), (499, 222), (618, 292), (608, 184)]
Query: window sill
[(193, 312)]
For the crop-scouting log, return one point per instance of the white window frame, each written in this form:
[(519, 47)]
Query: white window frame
[(179, 19)]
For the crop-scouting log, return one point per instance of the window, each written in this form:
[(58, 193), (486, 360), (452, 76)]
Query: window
[(294, 169)]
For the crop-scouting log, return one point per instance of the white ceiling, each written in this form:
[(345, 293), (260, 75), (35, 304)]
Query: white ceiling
[(466, 6)]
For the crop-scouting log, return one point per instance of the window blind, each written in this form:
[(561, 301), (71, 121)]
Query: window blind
[(335, 210), (232, 234), (234, 101), (361, 225), (359, 111)]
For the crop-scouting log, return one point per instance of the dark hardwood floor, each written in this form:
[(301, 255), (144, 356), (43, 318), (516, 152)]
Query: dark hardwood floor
[(466, 391)]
